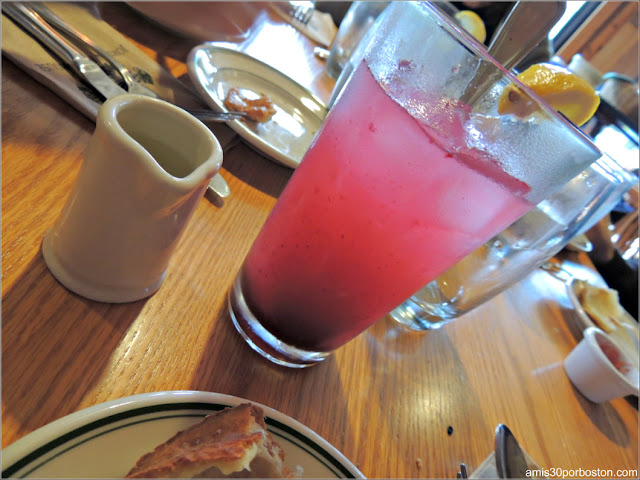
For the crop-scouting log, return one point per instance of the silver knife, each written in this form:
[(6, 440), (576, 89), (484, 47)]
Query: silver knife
[(81, 65)]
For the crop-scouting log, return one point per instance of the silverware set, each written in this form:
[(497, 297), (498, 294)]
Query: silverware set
[(88, 61), (93, 66)]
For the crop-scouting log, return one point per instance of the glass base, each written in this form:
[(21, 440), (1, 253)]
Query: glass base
[(414, 316), (261, 340)]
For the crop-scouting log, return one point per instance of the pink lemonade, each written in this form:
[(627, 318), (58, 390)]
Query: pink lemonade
[(376, 210)]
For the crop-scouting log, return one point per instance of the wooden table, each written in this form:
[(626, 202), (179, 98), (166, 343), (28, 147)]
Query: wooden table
[(396, 403)]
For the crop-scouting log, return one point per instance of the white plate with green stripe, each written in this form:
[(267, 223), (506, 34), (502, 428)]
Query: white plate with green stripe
[(106, 440)]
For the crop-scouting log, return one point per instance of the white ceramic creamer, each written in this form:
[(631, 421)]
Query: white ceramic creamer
[(147, 165)]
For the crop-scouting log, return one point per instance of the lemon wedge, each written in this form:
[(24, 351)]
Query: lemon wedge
[(472, 23), (563, 90)]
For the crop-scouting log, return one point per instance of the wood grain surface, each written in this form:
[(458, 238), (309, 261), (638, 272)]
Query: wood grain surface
[(397, 403)]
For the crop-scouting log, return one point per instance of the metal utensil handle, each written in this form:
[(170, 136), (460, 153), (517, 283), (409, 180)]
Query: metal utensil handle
[(82, 40), (510, 459), (216, 116), (516, 37), (527, 24), (56, 22), (33, 22)]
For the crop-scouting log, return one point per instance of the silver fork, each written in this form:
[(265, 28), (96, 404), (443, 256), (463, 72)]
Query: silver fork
[(301, 11)]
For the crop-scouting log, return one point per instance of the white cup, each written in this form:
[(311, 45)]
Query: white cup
[(146, 168), (599, 369)]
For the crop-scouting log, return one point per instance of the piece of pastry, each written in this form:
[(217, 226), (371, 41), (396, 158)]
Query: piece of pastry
[(231, 443), (258, 109), (601, 304)]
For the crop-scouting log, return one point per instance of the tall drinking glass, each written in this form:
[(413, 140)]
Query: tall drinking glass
[(519, 249), (412, 170)]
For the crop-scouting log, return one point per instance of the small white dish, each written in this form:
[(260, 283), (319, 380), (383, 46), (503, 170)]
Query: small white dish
[(285, 138), (599, 368), (106, 440), (626, 336)]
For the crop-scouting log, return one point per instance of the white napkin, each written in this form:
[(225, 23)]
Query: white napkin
[(488, 468), (34, 59)]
